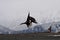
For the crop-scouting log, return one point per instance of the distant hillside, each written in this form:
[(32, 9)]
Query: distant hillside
[(55, 27), (4, 30)]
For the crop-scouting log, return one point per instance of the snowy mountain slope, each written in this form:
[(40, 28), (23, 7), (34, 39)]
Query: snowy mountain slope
[(42, 28), (4, 30), (55, 27)]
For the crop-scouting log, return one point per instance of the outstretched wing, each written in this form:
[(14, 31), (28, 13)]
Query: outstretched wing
[(33, 20), (22, 23), (28, 17)]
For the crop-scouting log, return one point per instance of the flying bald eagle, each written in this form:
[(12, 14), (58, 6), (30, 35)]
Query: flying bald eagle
[(29, 20)]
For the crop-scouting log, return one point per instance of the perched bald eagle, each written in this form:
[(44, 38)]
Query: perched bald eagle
[(49, 29), (29, 20)]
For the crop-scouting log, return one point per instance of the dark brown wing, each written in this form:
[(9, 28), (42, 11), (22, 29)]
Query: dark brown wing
[(28, 17), (33, 20)]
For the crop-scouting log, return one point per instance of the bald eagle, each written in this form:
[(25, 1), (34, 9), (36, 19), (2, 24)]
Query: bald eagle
[(29, 20)]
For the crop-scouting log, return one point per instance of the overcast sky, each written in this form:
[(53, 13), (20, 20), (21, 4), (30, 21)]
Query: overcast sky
[(14, 12)]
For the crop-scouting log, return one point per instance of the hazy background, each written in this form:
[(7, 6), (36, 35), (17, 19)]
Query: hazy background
[(14, 12)]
